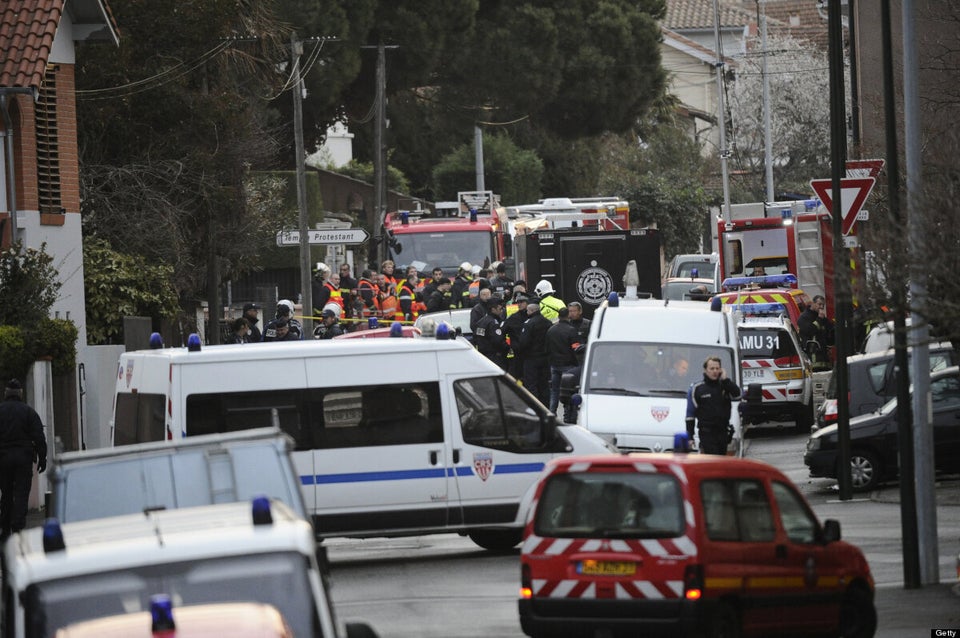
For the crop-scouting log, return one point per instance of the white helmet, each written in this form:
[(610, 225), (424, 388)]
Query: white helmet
[(466, 266), (333, 307), (543, 288), (285, 307), (476, 270)]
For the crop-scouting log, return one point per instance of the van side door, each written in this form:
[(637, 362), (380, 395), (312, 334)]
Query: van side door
[(500, 438)]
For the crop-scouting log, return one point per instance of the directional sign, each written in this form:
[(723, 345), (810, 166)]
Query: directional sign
[(864, 168), (332, 236), (853, 193)]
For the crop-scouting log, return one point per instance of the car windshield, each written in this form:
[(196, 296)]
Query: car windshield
[(611, 505), (278, 579), (445, 250), (649, 369)]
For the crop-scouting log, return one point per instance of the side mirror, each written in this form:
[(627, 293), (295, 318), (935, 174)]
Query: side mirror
[(754, 393), (831, 531)]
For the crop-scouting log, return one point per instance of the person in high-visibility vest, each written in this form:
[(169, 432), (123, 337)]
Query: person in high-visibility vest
[(550, 304), (461, 286), (329, 292), (348, 290), (369, 295), (410, 305)]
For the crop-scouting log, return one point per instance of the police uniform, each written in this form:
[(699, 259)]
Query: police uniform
[(489, 338), (708, 403), (21, 441)]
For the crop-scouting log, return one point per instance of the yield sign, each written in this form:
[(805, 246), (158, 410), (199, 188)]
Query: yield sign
[(864, 168), (853, 192)]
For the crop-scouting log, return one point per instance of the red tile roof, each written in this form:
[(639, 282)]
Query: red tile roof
[(27, 29), (698, 14)]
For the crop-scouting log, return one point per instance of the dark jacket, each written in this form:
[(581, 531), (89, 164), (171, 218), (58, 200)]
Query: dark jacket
[(460, 292), (21, 428), (254, 334), (323, 331), (533, 337), (816, 334), (439, 300), (561, 338), (709, 402), (489, 338)]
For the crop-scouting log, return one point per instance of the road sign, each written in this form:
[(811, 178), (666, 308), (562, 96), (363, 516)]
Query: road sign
[(853, 193), (864, 168), (333, 236)]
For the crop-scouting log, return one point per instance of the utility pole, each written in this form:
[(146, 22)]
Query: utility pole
[(767, 135), (375, 219), (478, 156), (721, 112), (306, 300)]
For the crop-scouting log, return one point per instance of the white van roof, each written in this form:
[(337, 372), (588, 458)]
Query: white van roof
[(157, 537), (669, 322)]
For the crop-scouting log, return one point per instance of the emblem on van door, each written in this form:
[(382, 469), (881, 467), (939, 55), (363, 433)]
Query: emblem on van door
[(483, 464), (659, 412), (594, 284), (129, 372)]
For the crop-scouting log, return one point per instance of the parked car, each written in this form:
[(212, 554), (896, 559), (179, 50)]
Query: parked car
[(457, 318), (678, 545), (872, 381), (873, 438), (688, 289), (377, 333)]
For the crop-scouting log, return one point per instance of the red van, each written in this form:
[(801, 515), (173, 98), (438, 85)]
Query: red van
[(685, 544)]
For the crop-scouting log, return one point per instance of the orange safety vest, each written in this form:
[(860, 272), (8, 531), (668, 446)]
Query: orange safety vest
[(367, 285), (335, 295)]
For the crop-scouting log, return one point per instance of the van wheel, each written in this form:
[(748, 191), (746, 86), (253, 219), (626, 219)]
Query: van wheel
[(804, 419), (496, 540), (726, 622), (864, 470), (858, 616)]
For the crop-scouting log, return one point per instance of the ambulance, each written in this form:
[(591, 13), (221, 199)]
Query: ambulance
[(392, 437), (259, 551), (642, 356), (685, 545)]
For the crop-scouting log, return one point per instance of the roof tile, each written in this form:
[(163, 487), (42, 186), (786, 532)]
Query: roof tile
[(27, 29)]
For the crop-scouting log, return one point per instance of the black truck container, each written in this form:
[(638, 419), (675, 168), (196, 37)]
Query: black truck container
[(586, 264)]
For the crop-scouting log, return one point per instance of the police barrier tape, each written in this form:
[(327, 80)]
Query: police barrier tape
[(359, 320)]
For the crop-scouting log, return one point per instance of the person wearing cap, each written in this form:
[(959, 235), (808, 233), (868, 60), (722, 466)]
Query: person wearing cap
[(21, 443), (488, 335), (512, 327), (253, 317), (441, 298), (329, 324), (461, 286)]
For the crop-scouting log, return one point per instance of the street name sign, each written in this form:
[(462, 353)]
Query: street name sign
[(347, 236)]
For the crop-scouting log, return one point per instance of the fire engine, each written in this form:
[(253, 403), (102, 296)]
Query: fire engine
[(778, 238), (606, 213), (472, 229)]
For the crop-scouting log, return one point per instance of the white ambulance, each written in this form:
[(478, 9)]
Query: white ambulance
[(391, 436), (642, 355), (259, 551)]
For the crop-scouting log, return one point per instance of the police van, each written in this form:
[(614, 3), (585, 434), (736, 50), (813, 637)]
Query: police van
[(258, 551), (642, 356), (772, 357), (391, 436)]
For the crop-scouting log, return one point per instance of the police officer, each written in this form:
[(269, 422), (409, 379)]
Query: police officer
[(533, 349), (488, 334), (708, 404), (329, 323), (21, 442)]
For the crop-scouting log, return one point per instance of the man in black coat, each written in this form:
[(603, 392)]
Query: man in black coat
[(250, 314), (21, 443), (562, 343), (709, 405), (816, 331), (488, 333), (533, 349), (512, 327)]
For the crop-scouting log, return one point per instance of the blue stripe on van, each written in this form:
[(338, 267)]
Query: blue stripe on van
[(404, 475)]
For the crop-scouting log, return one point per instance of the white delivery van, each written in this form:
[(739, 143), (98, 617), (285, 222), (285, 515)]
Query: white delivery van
[(642, 355), (259, 551), (391, 436)]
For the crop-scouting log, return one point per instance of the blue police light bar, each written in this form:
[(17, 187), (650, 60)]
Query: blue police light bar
[(786, 215), (261, 511), (156, 341), (767, 309), (716, 304), (786, 279), (396, 330), (694, 273), (404, 217), (193, 342), (443, 330), (473, 214), (613, 299), (52, 536), (161, 613), (373, 322), (681, 442)]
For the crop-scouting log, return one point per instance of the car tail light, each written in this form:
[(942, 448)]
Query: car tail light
[(830, 411), (787, 362), (526, 589), (693, 582)]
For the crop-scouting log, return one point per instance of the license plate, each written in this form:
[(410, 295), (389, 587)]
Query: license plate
[(606, 568), (753, 373)]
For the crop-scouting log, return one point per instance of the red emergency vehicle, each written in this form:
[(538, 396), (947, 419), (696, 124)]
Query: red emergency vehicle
[(780, 238), (682, 545)]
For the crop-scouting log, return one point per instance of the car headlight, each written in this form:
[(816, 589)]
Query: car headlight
[(813, 444)]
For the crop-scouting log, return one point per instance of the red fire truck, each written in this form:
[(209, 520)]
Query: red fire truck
[(778, 238)]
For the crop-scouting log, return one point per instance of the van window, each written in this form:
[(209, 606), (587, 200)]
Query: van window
[(945, 393), (635, 368), (611, 505), (766, 343), (737, 510), (493, 413), (797, 521), (139, 418), (321, 418)]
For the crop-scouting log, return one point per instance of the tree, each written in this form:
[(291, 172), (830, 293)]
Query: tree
[(661, 173), (29, 285), (511, 172), (799, 115)]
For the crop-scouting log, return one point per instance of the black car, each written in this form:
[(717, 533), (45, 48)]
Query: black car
[(873, 438)]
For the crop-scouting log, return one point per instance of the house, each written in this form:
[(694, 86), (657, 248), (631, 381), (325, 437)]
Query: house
[(39, 164)]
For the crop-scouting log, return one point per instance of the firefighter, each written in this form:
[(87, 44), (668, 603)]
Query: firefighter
[(501, 284), (461, 286), (441, 298), (550, 304), (368, 296), (409, 298), (329, 292), (348, 290), (488, 335)]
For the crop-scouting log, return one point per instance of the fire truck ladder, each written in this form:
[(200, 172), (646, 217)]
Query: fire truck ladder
[(810, 267)]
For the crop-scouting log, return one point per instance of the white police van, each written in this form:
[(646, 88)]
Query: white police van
[(258, 551), (642, 356), (391, 436)]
